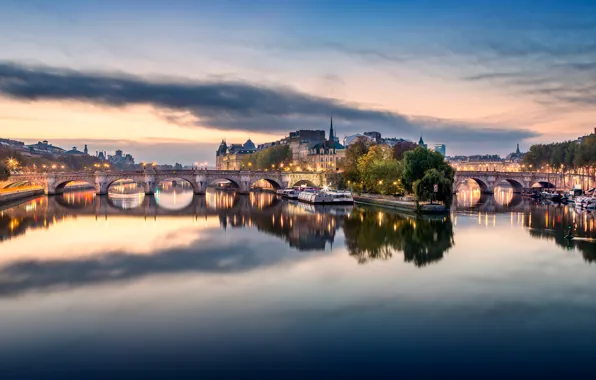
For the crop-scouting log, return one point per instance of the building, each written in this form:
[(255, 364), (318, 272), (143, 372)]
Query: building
[(74, 152), (375, 136), (421, 143), (325, 155), (348, 140), (300, 143), (232, 157), (45, 148), (516, 156), (440, 148)]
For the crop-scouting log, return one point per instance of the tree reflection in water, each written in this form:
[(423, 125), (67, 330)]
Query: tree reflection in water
[(378, 235)]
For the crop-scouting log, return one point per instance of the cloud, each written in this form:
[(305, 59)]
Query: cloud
[(204, 255), (552, 61), (232, 105)]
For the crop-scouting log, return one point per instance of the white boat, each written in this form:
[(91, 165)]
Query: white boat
[(283, 191), (293, 194), (326, 197)]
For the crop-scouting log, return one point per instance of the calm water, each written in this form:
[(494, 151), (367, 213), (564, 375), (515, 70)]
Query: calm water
[(223, 286)]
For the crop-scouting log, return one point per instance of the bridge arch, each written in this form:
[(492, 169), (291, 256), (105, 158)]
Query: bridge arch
[(516, 185), (235, 183), (192, 184), (483, 186), (304, 183), (274, 183), (60, 186), (112, 181), (543, 184)]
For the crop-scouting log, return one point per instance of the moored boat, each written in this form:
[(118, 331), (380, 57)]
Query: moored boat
[(326, 197)]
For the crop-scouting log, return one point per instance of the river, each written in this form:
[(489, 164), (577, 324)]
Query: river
[(229, 286)]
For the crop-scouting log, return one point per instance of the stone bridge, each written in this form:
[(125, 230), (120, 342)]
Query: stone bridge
[(54, 183), (488, 180)]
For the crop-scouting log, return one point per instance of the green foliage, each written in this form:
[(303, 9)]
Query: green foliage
[(418, 161), (263, 159), (564, 156), (424, 187)]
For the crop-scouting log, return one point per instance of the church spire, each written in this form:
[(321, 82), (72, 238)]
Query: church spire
[(517, 151), (331, 135)]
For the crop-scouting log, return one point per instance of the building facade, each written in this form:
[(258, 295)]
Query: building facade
[(441, 148), (310, 151), (232, 157), (326, 155)]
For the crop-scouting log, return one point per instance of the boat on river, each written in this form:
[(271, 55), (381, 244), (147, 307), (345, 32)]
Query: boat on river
[(326, 197)]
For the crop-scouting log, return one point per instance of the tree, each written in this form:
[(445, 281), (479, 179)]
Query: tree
[(4, 172), (418, 161), (373, 235), (424, 187), (376, 167), (355, 150), (265, 158), (402, 147)]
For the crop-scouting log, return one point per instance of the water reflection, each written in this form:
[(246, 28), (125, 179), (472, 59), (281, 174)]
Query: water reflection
[(372, 235), (174, 194), (470, 198), (88, 283)]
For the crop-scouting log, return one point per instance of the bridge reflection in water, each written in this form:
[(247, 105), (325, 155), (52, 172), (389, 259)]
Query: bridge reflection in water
[(549, 222), (370, 234)]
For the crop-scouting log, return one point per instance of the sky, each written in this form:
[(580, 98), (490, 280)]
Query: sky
[(168, 80)]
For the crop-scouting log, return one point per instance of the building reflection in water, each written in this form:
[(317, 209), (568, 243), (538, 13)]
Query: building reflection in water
[(370, 234)]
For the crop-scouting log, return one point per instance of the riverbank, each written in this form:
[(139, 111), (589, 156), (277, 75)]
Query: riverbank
[(19, 194), (405, 205)]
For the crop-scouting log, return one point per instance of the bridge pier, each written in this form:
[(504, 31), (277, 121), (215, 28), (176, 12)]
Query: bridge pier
[(200, 185)]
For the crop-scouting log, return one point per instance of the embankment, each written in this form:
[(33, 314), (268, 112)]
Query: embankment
[(17, 195), (399, 204)]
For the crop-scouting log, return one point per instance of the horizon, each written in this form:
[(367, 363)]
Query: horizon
[(168, 81)]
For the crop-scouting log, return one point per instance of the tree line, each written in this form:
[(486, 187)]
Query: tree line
[(403, 168), (269, 157), (563, 156)]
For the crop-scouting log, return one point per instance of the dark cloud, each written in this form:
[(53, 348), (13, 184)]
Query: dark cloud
[(234, 105)]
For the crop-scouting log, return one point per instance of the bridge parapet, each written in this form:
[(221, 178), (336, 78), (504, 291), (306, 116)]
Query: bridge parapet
[(54, 183)]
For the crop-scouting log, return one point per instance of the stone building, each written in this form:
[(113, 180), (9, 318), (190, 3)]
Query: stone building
[(326, 155), (232, 157)]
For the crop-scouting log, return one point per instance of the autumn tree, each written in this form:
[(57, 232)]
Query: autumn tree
[(378, 171), (358, 148), (265, 158)]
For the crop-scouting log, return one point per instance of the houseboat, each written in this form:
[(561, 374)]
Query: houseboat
[(327, 197)]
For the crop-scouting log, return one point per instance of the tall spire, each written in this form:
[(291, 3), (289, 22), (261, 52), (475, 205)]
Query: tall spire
[(331, 135), (517, 151)]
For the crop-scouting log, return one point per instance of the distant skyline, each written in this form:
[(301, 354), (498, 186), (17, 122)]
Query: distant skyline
[(167, 81)]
